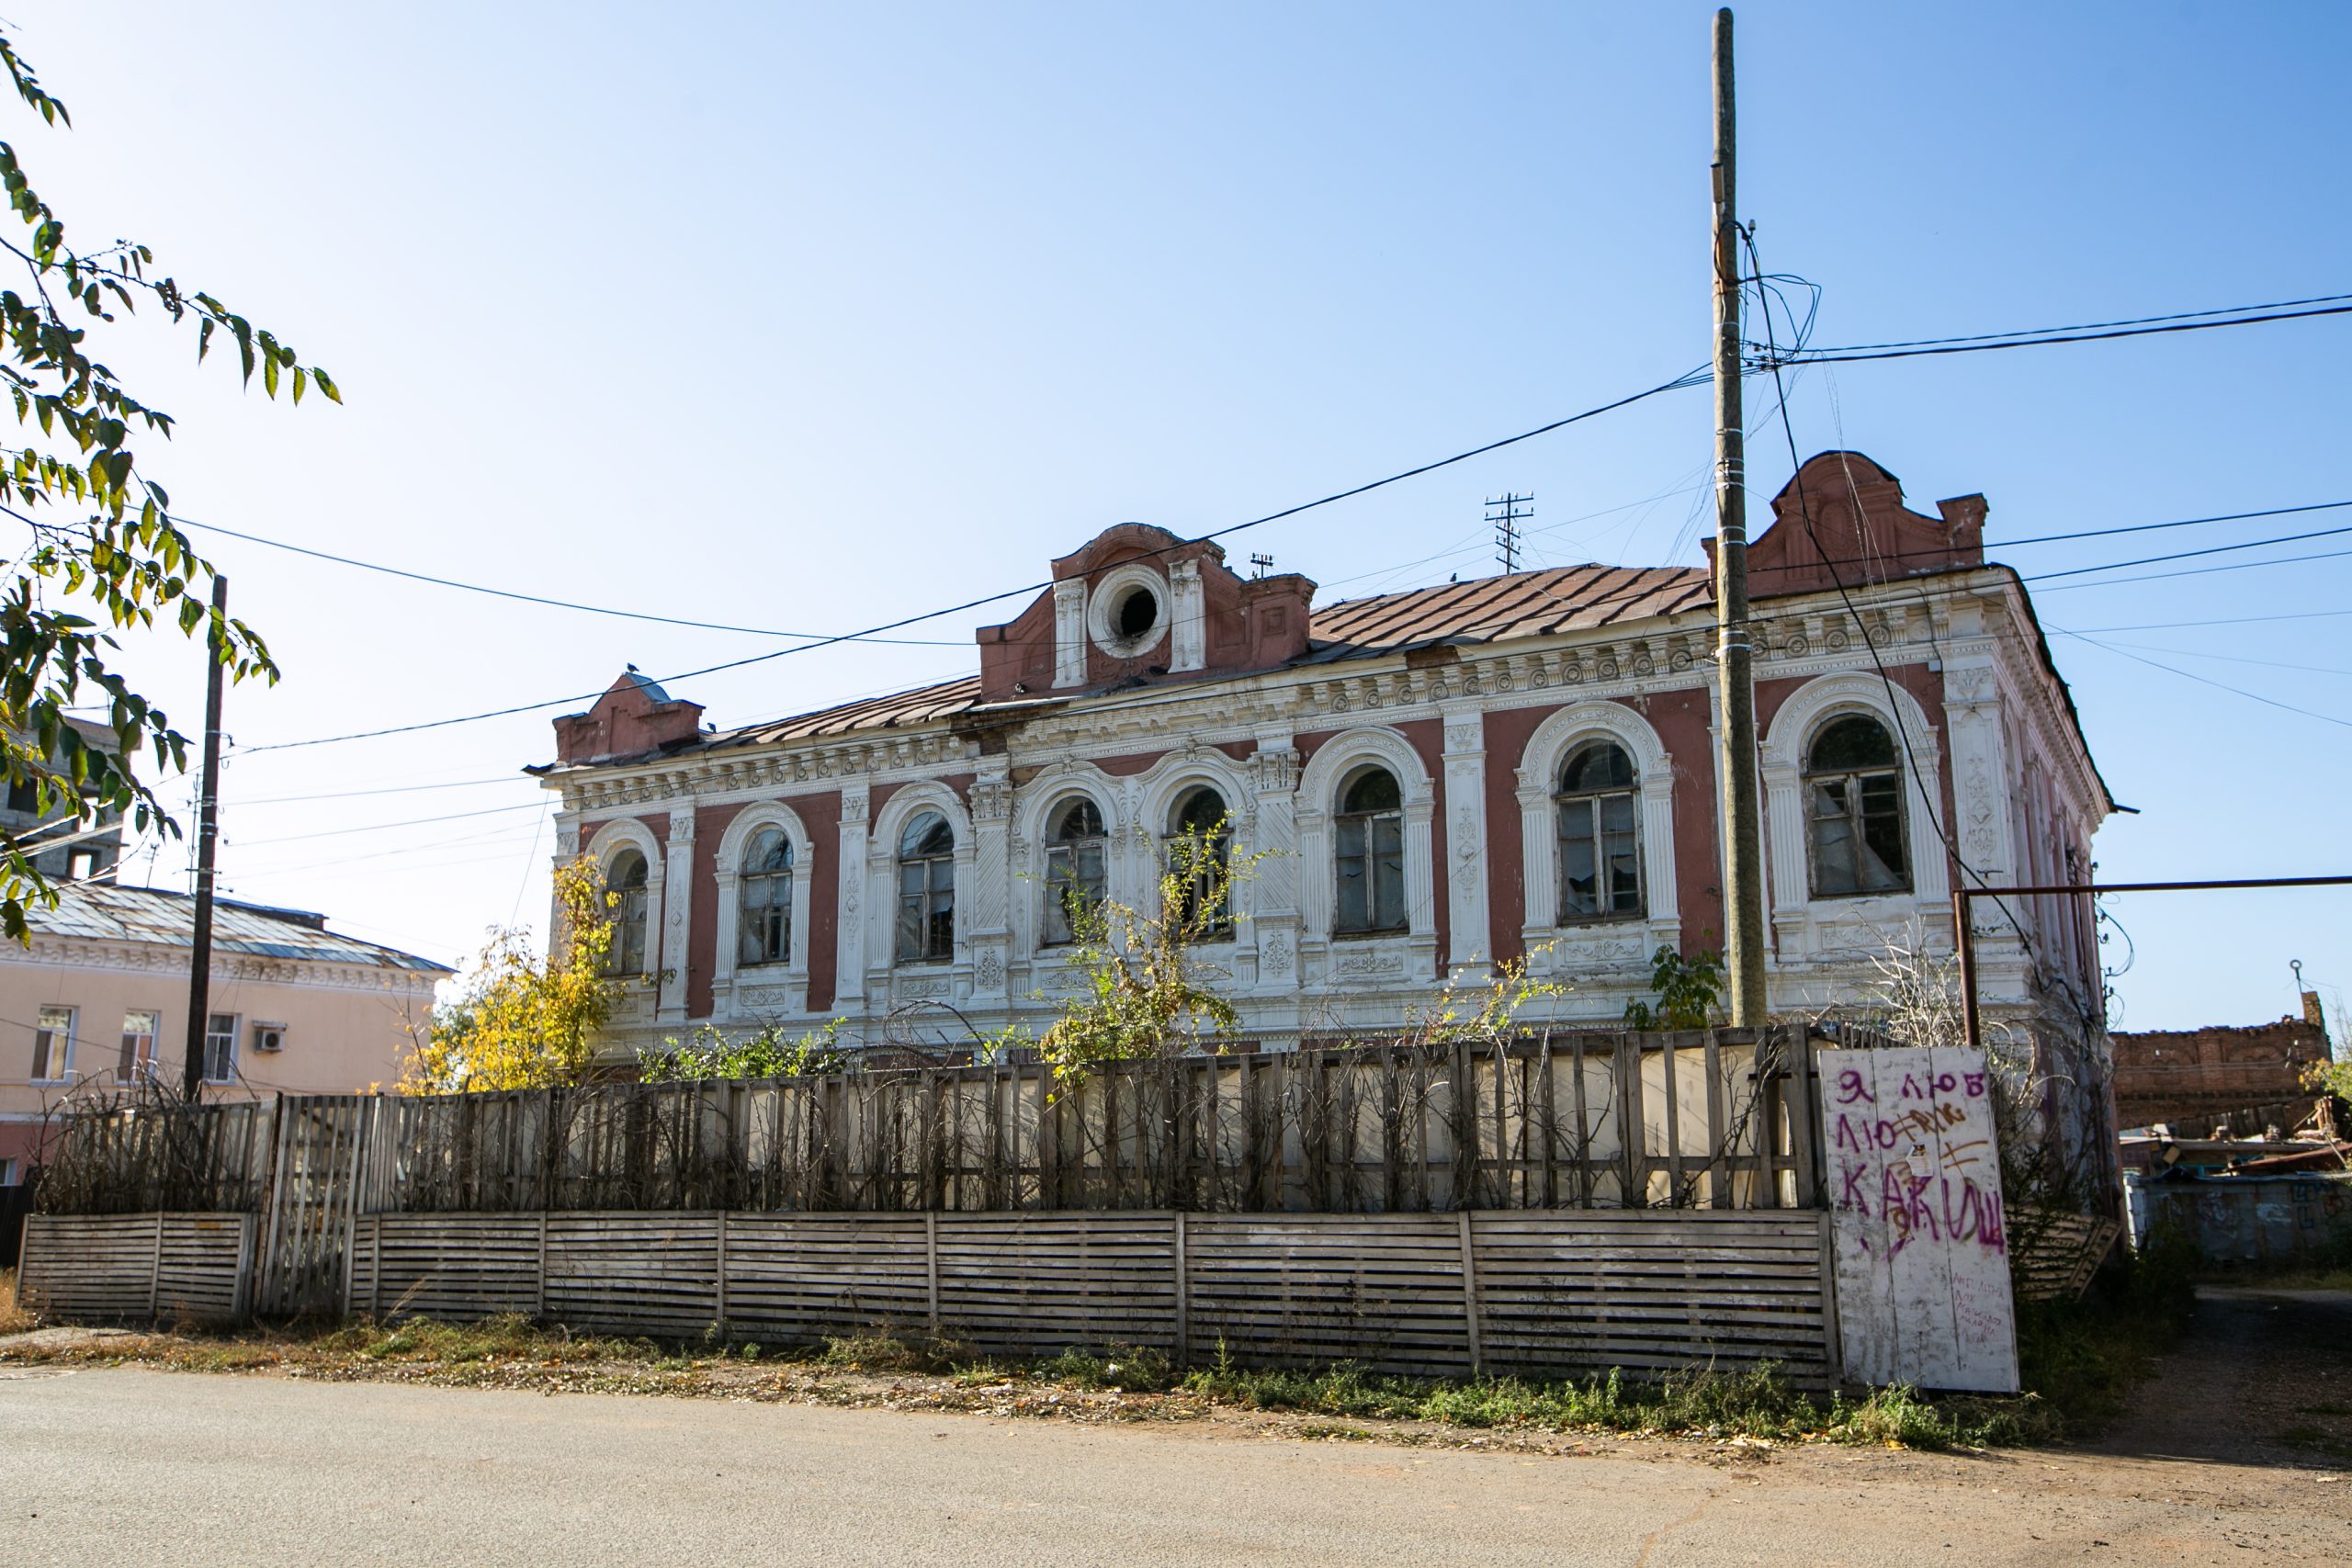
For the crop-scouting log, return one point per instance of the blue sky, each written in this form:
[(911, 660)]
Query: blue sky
[(805, 316)]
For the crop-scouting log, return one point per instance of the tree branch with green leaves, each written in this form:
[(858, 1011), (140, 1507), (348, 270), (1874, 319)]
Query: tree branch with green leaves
[(100, 534)]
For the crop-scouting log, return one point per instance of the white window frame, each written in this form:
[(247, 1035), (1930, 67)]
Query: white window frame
[(57, 1064), (1159, 790), (234, 1032), (1600, 942), (740, 989), (928, 979), (1845, 924), (143, 1070), (609, 839), (1390, 959), (1050, 840)]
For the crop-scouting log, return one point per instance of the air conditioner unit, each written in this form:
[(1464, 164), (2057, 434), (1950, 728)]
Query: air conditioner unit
[(269, 1037)]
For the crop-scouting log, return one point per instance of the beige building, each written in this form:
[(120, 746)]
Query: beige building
[(97, 1004)]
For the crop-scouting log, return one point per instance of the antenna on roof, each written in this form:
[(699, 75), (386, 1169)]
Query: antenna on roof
[(1264, 564), (1507, 521)]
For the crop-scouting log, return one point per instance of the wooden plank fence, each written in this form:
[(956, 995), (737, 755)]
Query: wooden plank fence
[(137, 1268), (1711, 1119), (1422, 1295)]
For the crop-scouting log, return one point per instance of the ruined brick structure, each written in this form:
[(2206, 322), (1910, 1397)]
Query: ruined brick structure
[(2192, 1080), (1432, 782)]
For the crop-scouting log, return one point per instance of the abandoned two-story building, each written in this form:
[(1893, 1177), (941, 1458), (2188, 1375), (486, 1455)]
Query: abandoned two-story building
[(1425, 785)]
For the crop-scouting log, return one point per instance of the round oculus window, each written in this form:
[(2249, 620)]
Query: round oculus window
[(1138, 612), (1128, 612)]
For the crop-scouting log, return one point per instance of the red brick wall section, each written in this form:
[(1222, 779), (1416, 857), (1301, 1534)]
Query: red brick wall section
[(2190, 1077), (821, 815), (701, 919)]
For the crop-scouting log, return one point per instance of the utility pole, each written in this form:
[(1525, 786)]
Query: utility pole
[(1735, 708), (1507, 514), (207, 829)]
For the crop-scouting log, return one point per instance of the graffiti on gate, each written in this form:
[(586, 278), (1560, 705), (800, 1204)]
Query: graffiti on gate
[(1919, 1241), (1902, 1159)]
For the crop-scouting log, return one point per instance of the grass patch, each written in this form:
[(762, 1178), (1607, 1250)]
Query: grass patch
[(1711, 1403)]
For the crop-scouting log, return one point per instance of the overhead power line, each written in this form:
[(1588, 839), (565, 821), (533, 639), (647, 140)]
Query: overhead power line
[(2092, 326), (1689, 379), (539, 599), (2206, 680), (1851, 355)]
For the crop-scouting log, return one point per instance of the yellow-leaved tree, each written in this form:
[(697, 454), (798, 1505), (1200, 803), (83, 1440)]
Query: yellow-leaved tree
[(525, 1021)]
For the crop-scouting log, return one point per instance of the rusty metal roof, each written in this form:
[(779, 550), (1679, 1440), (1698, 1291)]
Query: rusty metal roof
[(1486, 609), (894, 711), (1492, 609), (107, 913)]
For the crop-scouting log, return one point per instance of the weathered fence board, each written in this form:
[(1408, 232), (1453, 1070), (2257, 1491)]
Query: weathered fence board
[(136, 1268), (1693, 1120), (1920, 1246), (1537, 1291)]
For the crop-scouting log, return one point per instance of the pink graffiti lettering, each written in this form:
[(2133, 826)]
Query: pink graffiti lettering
[(1903, 1202), (1977, 1218), (1976, 1084), (1852, 1089), (1855, 1198)]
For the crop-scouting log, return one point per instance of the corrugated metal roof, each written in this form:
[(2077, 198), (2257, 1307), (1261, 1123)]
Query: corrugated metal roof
[(1486, 609), (108, 913), (1492, 609), (919, 706)]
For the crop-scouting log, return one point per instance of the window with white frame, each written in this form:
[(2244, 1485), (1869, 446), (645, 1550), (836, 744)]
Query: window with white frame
[(1853, 794), (625, 879), (1200, 856), (1075, 878), (1369, 849), (220, 1048), (927, 890), (763, 898), (137, 1063), (53, 1045), (1599, 809), (12, 1171)]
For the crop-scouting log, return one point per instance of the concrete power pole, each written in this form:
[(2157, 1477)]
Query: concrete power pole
[(1736, 711), (207, 831)]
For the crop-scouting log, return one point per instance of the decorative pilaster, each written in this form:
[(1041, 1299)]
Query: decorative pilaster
[(1190, 633), (1275, 879), (989, 928), (1469, 946), (849, 927), (677, 897), (1069, 632)]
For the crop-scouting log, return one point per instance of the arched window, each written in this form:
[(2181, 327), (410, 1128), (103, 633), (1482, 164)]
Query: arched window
[(1369, 830), (1853, 791), (1600, 858), (1200, 855), (927, 890), (764, 892), (1075, 884), (625, 877)]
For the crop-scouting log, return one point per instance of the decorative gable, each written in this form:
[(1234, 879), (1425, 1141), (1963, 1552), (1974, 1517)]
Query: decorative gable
[(1138, 604), (635, 715), (1861, 531)]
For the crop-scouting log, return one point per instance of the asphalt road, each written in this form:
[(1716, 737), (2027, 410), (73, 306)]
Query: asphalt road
[(129, 1466)]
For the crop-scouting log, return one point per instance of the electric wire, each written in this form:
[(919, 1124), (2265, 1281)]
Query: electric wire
[(2207, 680), (1893, 705), (1689, 379), (1842, 356), (540, 598), (2073, 327)]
